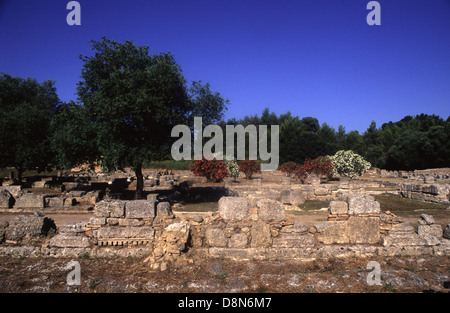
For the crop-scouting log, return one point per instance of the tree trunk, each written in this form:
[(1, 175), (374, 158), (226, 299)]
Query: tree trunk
[(19, 174), (139, 182)]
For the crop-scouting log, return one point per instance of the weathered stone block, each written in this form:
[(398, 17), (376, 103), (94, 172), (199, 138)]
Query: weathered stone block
[(333, 232), (6, 199), (321, 191), (364, 229), (164, 209), (97, 221), (296, 197), (301, 241), (54, 201), (30, 200), (109, 208), (338, 207), (68, 241), (238, 240), (29, 226), (16, 191), (434, 230), (144, 232), (295, 236), (363, 204), (261, 236), (233, 208), (140, 209), (130, 222), (426, 219), (270, 210), (215, 237)]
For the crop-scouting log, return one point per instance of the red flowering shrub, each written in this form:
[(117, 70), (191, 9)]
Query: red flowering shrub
[(249, 167), (319, 166), (289, 168), (214, 170)]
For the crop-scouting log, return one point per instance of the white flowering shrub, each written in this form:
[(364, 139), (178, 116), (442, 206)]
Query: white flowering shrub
[(347, 163), (232, 167)]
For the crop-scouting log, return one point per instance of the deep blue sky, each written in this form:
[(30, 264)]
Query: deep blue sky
[(310, 57)]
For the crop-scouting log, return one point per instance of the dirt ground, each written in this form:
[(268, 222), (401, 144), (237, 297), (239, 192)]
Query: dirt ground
[(397, 274)]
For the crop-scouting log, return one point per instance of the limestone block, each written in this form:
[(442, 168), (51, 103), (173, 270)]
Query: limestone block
[(140, 209), (295, 236), (321, 191), (363, 204), (6, 199), (426, 219), (271, 210), (296, 197), (434, 230), (97, 221), (403, 234), (261, 236), (215, 237), (15, 191), (333, 232), (338, 207), (30, 200), (164, 209), (238, 240), (29, 226), (130, 222), (233, 208), (109, 208), (69, 241), (144, 232), (364, 229)]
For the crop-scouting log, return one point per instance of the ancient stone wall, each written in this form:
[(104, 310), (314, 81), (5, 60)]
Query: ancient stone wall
[(243, 228), (438, 193)]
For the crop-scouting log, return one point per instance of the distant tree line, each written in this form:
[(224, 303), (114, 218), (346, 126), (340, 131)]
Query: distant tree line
[(414, 142)]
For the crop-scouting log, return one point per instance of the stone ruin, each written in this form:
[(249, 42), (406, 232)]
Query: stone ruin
[(243, 229), (78, 193), (427, 191)]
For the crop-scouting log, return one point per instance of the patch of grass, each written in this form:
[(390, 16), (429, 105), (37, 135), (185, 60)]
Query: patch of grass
[(310, 205), (200, 207), (394, 204)]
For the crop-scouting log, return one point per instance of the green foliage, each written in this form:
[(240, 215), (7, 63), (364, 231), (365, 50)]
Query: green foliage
[(26, 111), (134, 99), (73, 137), (347, 163), (303, 138)]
